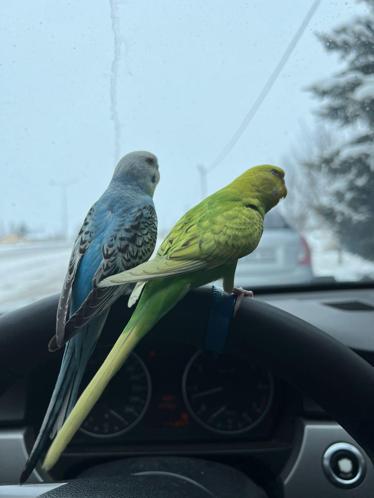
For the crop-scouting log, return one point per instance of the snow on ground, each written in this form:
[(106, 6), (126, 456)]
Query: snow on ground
[(329, 261), (31, 271)]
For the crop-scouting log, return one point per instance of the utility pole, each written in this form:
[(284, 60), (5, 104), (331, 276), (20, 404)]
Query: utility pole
[(64, 205), (203, 172), (114, 76)]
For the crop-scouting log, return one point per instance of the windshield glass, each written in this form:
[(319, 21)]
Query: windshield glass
[(211, 88), (274, 219)]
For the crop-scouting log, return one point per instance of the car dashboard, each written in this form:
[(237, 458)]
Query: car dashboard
[(172, 399)]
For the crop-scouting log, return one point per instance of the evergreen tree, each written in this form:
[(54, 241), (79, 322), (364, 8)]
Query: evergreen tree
[(347, 101)]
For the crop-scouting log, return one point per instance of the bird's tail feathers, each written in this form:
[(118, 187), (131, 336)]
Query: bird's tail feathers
[(54, 416), (155, 302), (74, 361)]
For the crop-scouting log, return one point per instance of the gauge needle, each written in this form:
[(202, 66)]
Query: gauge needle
[(217, 412), (118, 416), (214, 390)]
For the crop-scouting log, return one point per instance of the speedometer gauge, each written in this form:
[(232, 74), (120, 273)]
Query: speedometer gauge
[(123, 403), (226, 395)]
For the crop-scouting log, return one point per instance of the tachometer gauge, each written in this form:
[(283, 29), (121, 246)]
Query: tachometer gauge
[(123, 403), (226, 395)]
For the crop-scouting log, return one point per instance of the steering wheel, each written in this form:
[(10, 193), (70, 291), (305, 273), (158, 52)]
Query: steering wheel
[(334, 376)]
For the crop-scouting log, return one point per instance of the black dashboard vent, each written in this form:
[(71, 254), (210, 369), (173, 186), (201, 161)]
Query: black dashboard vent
[(351, 306)]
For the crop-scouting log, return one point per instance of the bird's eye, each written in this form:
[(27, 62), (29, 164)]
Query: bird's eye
[(150, 160), (278, 173)]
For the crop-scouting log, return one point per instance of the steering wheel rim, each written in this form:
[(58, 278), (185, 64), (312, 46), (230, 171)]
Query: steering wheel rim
[(338, 379), (321, 367)]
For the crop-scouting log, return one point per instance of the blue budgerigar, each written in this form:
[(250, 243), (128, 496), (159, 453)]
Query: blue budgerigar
[(118, 233)]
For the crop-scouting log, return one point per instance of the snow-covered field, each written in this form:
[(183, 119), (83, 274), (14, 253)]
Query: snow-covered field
[(31, 271)]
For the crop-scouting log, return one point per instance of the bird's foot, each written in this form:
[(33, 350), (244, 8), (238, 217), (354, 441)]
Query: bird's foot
[(240, 295), (238, 291)]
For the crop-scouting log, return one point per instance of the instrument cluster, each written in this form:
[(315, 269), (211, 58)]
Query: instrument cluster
[(174, 392)]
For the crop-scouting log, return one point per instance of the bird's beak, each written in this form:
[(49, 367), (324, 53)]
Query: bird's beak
[(280, 191)]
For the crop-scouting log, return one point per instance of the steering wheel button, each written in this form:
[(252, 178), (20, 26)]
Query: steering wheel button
[(344, 465)]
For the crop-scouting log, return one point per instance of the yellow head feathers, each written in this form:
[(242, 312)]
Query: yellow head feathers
[(264, 183)]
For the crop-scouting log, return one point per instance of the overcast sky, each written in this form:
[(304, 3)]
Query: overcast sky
[(188, 73)]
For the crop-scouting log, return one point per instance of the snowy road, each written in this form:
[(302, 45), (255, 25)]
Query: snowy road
[(31, 271)]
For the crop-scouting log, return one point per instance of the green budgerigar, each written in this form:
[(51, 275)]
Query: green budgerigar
[(203, 246)]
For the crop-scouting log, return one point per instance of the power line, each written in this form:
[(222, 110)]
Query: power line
[(265, 90)]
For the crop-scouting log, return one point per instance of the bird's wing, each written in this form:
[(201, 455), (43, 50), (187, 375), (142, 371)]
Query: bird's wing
[(130, 242), (210, 235), (218, 230), (158, 267), (81, 244)]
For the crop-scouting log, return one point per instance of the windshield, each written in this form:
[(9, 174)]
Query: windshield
[(274, 219), (211, 88)]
